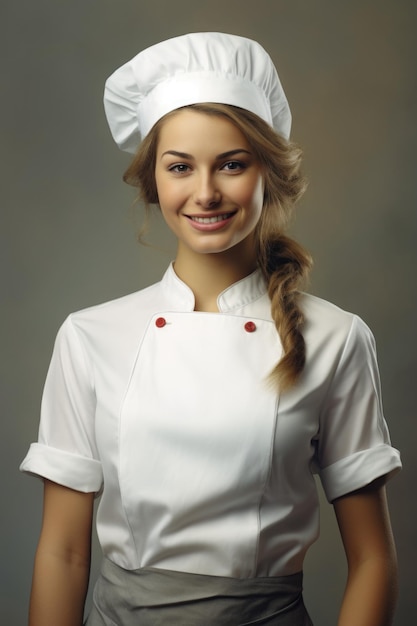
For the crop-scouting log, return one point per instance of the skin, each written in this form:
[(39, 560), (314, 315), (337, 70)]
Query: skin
[(204, 168), (62, 561), (371, 589)]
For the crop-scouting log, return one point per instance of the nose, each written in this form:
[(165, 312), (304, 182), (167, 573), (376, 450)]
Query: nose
[(207, 195)]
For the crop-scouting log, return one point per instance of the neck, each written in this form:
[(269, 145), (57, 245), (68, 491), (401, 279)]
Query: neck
[(207, 275)]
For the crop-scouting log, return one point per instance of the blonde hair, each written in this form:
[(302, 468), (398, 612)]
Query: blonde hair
[(284, 263)]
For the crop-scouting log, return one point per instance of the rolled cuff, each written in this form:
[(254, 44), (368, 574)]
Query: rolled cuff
[(359, 469), (62, 467)]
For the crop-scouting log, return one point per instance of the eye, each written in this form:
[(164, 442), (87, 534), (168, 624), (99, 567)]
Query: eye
[(233, 166), (179, 168)]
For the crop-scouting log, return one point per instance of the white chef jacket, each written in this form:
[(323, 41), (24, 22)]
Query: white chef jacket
[(203, 467)]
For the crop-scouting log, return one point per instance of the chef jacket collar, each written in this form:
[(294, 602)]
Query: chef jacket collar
[(234, 297)]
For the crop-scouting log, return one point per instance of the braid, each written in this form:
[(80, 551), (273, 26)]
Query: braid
[(285, 266)]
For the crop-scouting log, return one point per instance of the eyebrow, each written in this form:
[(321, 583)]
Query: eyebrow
[(223, 155)]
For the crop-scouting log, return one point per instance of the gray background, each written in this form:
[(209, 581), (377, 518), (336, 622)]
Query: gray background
[(68, 229)]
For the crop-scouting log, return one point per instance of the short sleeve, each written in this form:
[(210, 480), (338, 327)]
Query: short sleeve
[(354, 445), (66, 451)]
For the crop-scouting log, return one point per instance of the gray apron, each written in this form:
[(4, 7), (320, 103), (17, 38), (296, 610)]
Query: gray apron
[(158, 597)]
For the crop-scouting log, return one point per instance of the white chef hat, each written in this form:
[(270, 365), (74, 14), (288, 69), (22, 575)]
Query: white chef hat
[(198, 67)]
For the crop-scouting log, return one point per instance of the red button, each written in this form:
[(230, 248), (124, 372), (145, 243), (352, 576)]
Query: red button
[(250, 327), (160, 322)]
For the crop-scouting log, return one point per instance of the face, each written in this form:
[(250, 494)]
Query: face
[(210, 186)]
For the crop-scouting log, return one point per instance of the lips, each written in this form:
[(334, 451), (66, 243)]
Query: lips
[(210, 223), (210, 220)]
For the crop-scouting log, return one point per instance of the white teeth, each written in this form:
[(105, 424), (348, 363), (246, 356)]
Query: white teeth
[(210, 220)]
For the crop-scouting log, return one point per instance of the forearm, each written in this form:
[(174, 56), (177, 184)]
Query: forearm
[(59, 589), (371, 594)]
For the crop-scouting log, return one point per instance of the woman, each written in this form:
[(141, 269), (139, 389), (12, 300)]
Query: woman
[(201, 406)]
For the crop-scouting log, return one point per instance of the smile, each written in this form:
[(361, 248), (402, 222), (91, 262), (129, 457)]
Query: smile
[(210, 220)]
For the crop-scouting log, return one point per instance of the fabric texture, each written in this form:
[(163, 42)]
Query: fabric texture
[(193, 68), (203, 467), (152, 597)]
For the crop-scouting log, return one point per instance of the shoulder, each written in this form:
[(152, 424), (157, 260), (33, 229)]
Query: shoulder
[(121, 308), (316, 310), (328, 327), (322, 314), (116, 322)]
